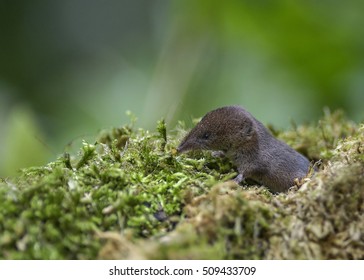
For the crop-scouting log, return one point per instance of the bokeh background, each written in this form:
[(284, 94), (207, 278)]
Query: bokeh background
[(70, 68)]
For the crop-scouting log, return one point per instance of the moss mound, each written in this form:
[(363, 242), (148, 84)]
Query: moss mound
[(129, 196)]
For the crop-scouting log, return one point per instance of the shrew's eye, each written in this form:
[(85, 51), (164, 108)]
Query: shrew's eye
[(205, 136)]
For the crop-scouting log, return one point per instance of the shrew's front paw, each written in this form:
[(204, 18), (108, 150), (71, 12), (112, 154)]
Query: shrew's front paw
[(218, 154)]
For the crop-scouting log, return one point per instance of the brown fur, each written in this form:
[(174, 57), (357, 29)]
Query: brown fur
[(257, 154)]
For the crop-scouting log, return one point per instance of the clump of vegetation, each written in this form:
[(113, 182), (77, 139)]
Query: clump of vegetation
[(130, 196)]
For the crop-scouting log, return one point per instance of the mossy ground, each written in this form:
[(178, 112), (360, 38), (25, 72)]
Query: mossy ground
[(129, 195)]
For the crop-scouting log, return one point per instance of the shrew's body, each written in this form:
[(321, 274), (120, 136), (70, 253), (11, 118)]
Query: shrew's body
[(257, 154)]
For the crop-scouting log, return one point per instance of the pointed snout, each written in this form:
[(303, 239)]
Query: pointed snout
[(189, 143), (181, 148), (185, 146)]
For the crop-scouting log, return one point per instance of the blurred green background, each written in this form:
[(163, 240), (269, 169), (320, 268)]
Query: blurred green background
[(69, 68)]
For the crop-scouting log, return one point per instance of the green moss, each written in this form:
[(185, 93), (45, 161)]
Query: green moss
[(129, 195)]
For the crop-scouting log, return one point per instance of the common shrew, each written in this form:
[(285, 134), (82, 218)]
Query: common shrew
[(257, 154)]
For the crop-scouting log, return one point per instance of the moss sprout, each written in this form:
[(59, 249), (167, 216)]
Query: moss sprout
[(130, 196)]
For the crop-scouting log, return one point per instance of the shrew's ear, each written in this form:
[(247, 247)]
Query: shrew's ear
[(246, 129)]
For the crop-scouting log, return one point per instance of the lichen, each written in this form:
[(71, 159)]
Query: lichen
[(128, 195)]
